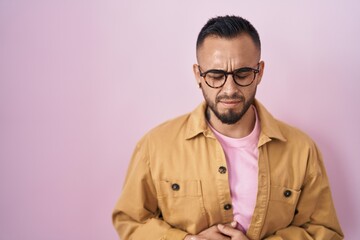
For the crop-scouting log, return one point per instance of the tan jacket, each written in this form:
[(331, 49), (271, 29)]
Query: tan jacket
[(176, 184)]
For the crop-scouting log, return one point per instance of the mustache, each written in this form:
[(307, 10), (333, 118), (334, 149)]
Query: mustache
[(233, 97)]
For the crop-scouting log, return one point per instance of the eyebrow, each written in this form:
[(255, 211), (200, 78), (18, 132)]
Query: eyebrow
[(237, 69)]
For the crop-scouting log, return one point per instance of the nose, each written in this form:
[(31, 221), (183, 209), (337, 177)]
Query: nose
[(230, 86)]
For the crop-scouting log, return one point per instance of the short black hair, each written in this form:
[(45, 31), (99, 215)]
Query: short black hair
[(228, 27)]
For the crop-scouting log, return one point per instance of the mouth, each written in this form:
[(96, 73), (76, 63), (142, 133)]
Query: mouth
[(229, 102)]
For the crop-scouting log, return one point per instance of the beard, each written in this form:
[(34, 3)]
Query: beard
[(230, 116)]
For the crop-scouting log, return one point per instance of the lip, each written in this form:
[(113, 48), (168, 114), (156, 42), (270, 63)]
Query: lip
[(230, 103)]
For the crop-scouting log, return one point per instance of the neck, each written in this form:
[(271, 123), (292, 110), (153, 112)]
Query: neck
[(240, 129)]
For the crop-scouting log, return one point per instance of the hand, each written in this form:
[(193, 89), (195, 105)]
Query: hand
[(212, 233), (233, 233)]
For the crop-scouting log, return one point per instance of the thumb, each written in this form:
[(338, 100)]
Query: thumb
[(223, 228), (228, 230)]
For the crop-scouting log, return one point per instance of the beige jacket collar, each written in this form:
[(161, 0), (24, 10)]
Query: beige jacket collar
[(269, 125)]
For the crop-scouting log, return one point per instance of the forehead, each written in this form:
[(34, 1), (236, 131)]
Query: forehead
[(238, 51)]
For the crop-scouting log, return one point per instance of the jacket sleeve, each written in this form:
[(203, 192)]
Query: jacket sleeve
[(315, 217), (136, 215)]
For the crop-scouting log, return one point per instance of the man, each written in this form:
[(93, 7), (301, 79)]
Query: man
[(228, 170)]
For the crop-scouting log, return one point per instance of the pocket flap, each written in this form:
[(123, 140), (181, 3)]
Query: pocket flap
[(187, 188)]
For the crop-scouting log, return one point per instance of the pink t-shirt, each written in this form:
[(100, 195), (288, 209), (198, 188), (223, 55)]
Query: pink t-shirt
[(242, 162)]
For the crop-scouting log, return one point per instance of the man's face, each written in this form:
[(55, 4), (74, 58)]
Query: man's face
[(230, 102)]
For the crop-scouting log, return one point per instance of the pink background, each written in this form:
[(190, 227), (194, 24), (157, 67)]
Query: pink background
[(82, 81)]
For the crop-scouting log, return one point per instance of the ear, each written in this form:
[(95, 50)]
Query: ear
[(261, 72), (197, 74)]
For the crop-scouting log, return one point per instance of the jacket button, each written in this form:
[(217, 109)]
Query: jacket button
[(222, 170), (175, 187), (227, 206), (287, 193)]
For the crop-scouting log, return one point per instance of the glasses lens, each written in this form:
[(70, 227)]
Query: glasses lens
[(244, 76), (215, 78)]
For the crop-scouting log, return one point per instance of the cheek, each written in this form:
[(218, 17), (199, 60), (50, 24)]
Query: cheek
[(250, 94), (248, 91), (210, 95)]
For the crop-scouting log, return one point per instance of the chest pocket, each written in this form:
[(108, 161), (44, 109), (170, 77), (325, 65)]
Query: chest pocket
[(282, 206), (182, 205)]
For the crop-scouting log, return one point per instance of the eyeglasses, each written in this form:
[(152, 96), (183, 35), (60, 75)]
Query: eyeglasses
[(216, 78)]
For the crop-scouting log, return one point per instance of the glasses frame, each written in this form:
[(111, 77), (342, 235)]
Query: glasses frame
[(243, 69)]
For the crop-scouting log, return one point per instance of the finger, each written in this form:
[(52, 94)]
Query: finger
[(233, 224), (194, 237), (190, 237), (231, 232), (210, 233)]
